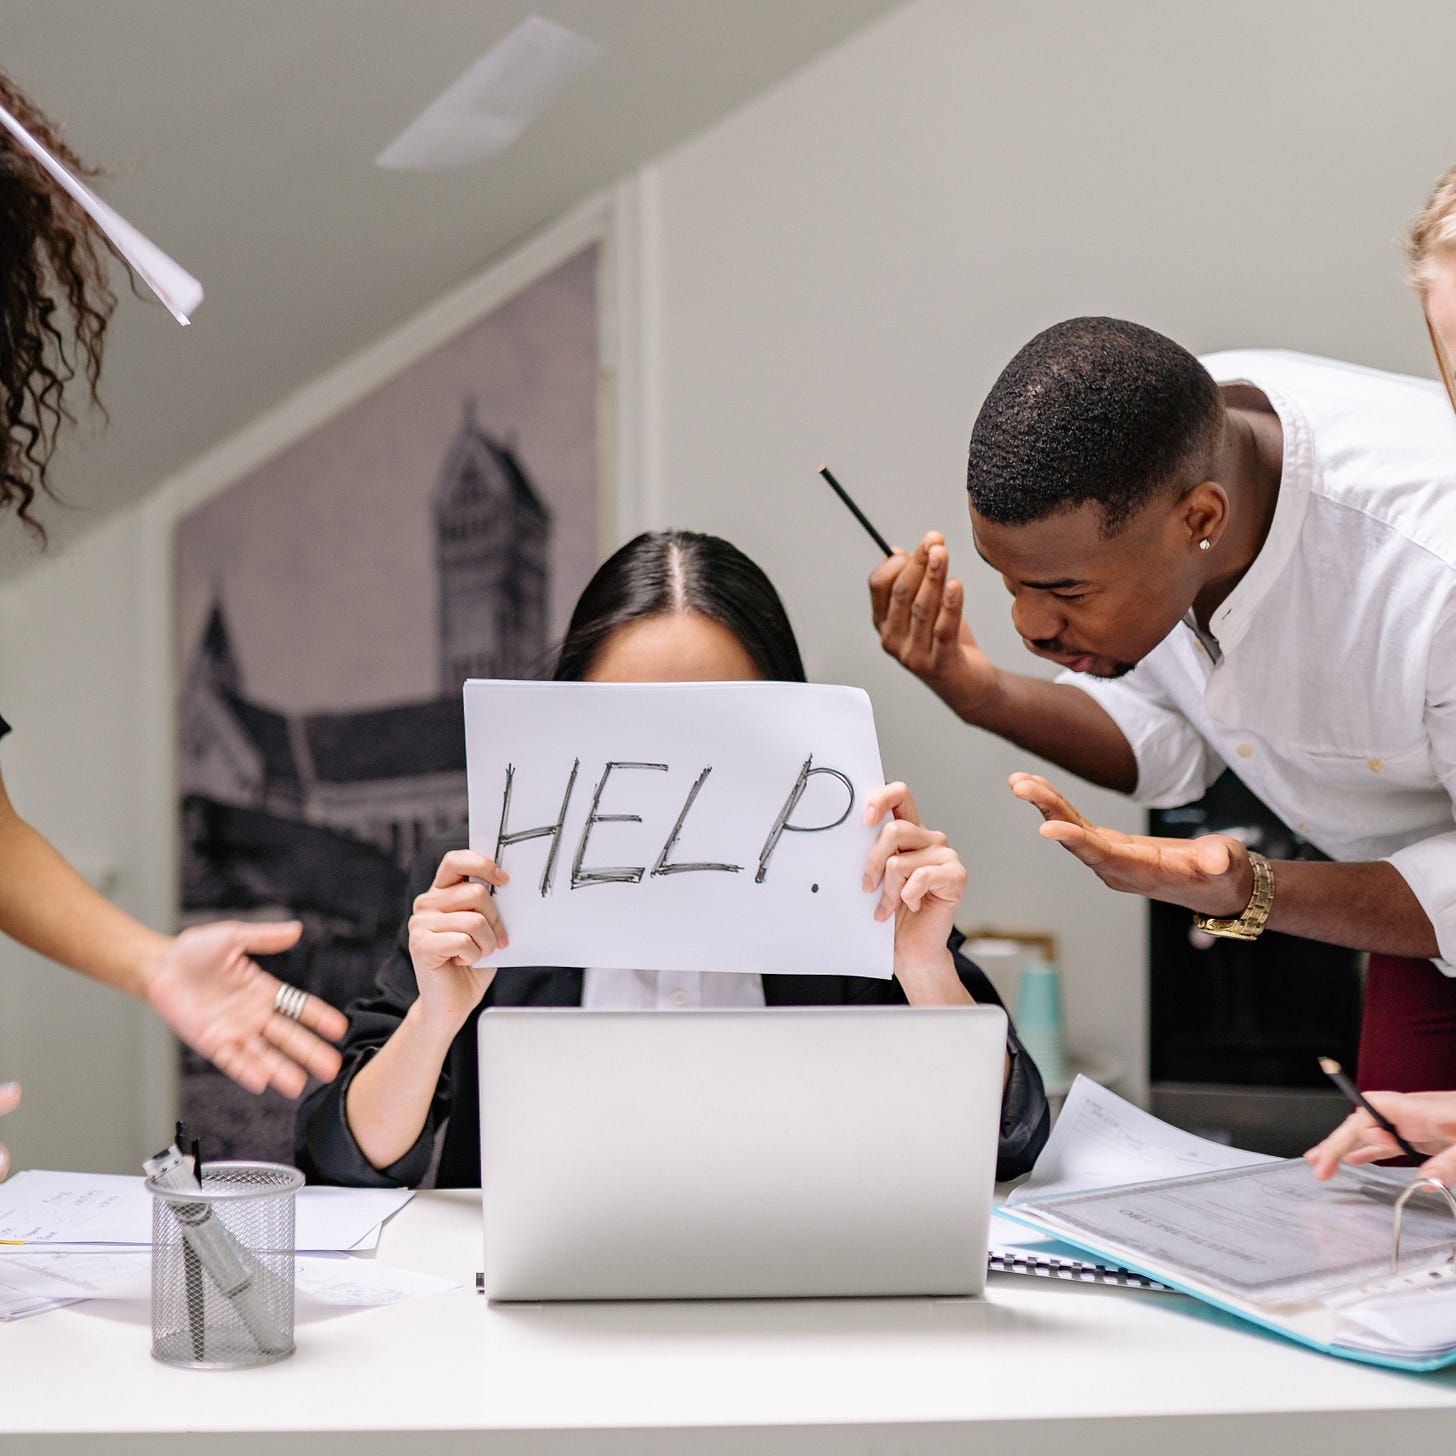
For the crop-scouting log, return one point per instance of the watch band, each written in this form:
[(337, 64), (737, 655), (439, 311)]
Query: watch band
[(1249, 925)]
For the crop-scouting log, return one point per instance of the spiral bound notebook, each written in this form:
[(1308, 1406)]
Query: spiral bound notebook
[(1015, 1249), (1098, 1141), (1074, 1269)]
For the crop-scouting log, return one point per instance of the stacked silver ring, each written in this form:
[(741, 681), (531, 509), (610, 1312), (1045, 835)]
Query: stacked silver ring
[(289, 1000)]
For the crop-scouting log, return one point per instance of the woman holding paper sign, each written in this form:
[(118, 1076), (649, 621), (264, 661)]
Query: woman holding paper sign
[(55, 304), (668, 607)]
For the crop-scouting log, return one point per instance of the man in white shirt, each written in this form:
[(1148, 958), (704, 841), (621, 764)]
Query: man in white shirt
[(1258, 573)]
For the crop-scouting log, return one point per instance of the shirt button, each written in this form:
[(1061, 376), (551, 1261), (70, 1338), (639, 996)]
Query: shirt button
[(679, 998), (1302, 827), (1245, 750), (1376, 764)]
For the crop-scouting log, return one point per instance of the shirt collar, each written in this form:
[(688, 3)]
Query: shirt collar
[(1238, 610)]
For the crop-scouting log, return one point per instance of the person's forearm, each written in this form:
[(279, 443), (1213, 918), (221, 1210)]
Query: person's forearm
[(1365, 906), (1056, 721), (935, 983), (931, 981), (47, 906), (389, 1099)]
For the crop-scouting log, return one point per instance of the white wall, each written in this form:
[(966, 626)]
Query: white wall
[(835, 273), (845, 265)]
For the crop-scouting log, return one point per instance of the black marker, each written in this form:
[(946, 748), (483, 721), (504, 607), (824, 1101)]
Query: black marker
[(858, 514)]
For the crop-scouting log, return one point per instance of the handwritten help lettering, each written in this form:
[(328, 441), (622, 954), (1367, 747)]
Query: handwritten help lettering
[(582, 875), (679, 826)]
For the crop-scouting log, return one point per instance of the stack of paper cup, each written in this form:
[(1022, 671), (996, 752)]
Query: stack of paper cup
[(1039, 1020)]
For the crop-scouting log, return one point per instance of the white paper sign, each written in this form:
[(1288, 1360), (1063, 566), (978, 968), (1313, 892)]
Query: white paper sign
[(678, 826)]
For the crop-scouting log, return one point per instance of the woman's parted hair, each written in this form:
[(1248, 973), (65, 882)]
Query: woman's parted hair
[(662, 572), (1432, 236)]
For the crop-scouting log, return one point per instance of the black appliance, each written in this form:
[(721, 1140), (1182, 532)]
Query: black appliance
[(1236, 1027)]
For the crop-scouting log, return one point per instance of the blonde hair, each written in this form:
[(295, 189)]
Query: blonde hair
[(1432, 236)]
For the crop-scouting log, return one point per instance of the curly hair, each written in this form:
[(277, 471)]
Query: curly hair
[(1091, 410), (55, 304)]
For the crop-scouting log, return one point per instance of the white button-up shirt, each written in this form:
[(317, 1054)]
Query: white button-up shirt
[(609, 990), (1332, 690)]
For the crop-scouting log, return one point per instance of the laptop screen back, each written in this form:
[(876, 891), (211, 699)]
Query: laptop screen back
[(794, 1151)]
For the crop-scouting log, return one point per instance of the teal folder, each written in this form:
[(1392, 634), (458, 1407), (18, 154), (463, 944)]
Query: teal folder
[(1273, 1246)]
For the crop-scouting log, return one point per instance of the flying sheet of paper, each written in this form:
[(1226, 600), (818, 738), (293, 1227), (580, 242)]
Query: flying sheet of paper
[(168, 279), (483, 112), (1100, 1140), (40, 1207), (678, 826)]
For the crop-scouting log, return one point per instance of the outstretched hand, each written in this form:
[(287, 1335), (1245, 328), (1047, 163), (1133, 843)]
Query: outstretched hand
[(1210, 875), (211, 992)]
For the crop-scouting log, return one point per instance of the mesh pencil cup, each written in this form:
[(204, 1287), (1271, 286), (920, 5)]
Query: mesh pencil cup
[(222, 1267)]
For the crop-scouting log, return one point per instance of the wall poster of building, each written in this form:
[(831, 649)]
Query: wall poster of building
[(330, 604)]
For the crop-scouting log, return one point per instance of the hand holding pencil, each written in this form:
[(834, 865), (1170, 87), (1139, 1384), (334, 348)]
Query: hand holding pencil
[(1426, 1120), (916, 605)]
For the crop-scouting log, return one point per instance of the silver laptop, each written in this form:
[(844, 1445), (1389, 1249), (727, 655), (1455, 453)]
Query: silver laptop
[(725, 1154)]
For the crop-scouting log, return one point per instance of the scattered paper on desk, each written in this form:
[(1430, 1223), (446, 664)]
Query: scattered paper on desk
[(36, 1282), (344, 1218), (43, 1207), (39, 1206), (31, 1282), (363, 1282), (1100, 1141)]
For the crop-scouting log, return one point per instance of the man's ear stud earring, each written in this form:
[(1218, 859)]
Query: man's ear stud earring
[(1204, 544)]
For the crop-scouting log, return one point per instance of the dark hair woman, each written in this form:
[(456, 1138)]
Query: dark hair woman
[(670, 606), (661, 572)]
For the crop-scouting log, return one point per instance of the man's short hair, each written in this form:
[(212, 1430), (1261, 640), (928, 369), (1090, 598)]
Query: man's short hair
[(1093, 409)]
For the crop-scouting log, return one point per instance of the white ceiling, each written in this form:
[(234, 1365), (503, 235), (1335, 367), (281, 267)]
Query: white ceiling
[(240, 136)]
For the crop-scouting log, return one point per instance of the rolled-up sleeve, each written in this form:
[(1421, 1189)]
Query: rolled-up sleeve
[(1175, 764), (1429, 865), (1429, 868)]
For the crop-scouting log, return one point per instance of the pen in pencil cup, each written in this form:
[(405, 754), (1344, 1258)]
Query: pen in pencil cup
[(231, 1241), (1332, 1069)]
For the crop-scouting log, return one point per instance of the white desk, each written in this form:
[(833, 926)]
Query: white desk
[(1040, 1366)]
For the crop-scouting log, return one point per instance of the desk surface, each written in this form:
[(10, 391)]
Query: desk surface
[(1136, 1372)]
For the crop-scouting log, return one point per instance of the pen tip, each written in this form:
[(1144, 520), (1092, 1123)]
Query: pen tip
[(1329, 1066)]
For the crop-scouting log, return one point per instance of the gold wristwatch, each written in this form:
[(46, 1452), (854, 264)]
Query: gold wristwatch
[(1249, 925)]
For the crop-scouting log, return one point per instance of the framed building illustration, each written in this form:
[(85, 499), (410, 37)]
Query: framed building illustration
[(329, 606)]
